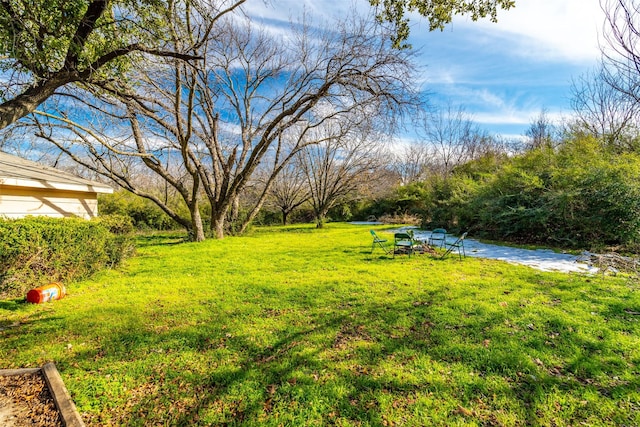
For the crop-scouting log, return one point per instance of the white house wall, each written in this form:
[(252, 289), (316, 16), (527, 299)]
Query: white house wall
[(18, 202)]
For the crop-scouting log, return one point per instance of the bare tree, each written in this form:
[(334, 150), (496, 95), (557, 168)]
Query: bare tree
[(542, 132), (344, 161), (353, 69), (289, 190), (453, 139), (205, 127), (621, 54), (412, 162), (622, 33), (157, 120), (604, 111)]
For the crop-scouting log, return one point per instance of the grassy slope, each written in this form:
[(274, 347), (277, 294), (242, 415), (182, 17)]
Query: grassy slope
[(298, 326)]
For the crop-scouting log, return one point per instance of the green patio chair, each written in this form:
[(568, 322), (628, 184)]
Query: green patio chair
[(377, 241), (438, 236), (403, 243), (459, 245)]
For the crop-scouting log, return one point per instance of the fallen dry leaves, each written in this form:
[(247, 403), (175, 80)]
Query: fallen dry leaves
[(25, 400)]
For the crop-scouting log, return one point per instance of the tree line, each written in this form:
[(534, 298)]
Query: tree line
[(202, 112)]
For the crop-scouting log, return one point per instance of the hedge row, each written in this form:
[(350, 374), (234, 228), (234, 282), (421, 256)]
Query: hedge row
[(35, 251)]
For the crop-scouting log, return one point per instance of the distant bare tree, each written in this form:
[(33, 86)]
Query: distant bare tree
[(412, 162), (453, 139), (542, 132), (343, 162), (289, 190), (604, 111)]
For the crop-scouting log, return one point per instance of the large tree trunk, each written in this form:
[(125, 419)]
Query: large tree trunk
[(196, 234), (235, 211), (233, 221), (320, 211), (217, 226), (321, 218), (217, 222)]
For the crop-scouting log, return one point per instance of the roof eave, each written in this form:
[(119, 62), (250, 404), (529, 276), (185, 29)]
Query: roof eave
[(52, 185)]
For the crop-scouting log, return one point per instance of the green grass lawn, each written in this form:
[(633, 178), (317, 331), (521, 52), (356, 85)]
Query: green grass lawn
[(297, 326)]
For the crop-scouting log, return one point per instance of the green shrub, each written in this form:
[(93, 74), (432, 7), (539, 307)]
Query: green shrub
[(117, 224), (268, 216), (580, 195), (120, 245), (144, 214), (37, 250)]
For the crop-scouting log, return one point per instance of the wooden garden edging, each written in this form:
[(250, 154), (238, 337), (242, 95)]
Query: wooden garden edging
[(68, 412)]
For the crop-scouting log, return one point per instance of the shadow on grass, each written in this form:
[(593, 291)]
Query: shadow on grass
[(13, 304), (368, 362), (161, 239), (289, 228)]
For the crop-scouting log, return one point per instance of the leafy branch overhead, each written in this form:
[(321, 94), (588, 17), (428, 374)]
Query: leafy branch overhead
[(45, 45), (438, 13)]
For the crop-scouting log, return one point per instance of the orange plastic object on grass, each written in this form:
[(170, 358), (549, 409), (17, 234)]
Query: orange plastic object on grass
[(50, 292)]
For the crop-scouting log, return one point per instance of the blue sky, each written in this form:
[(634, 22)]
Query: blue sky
[(503, 74)]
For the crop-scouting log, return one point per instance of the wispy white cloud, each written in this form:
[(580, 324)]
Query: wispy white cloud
[(555, 30), (503, 118), (506, 73), (546, 29)]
